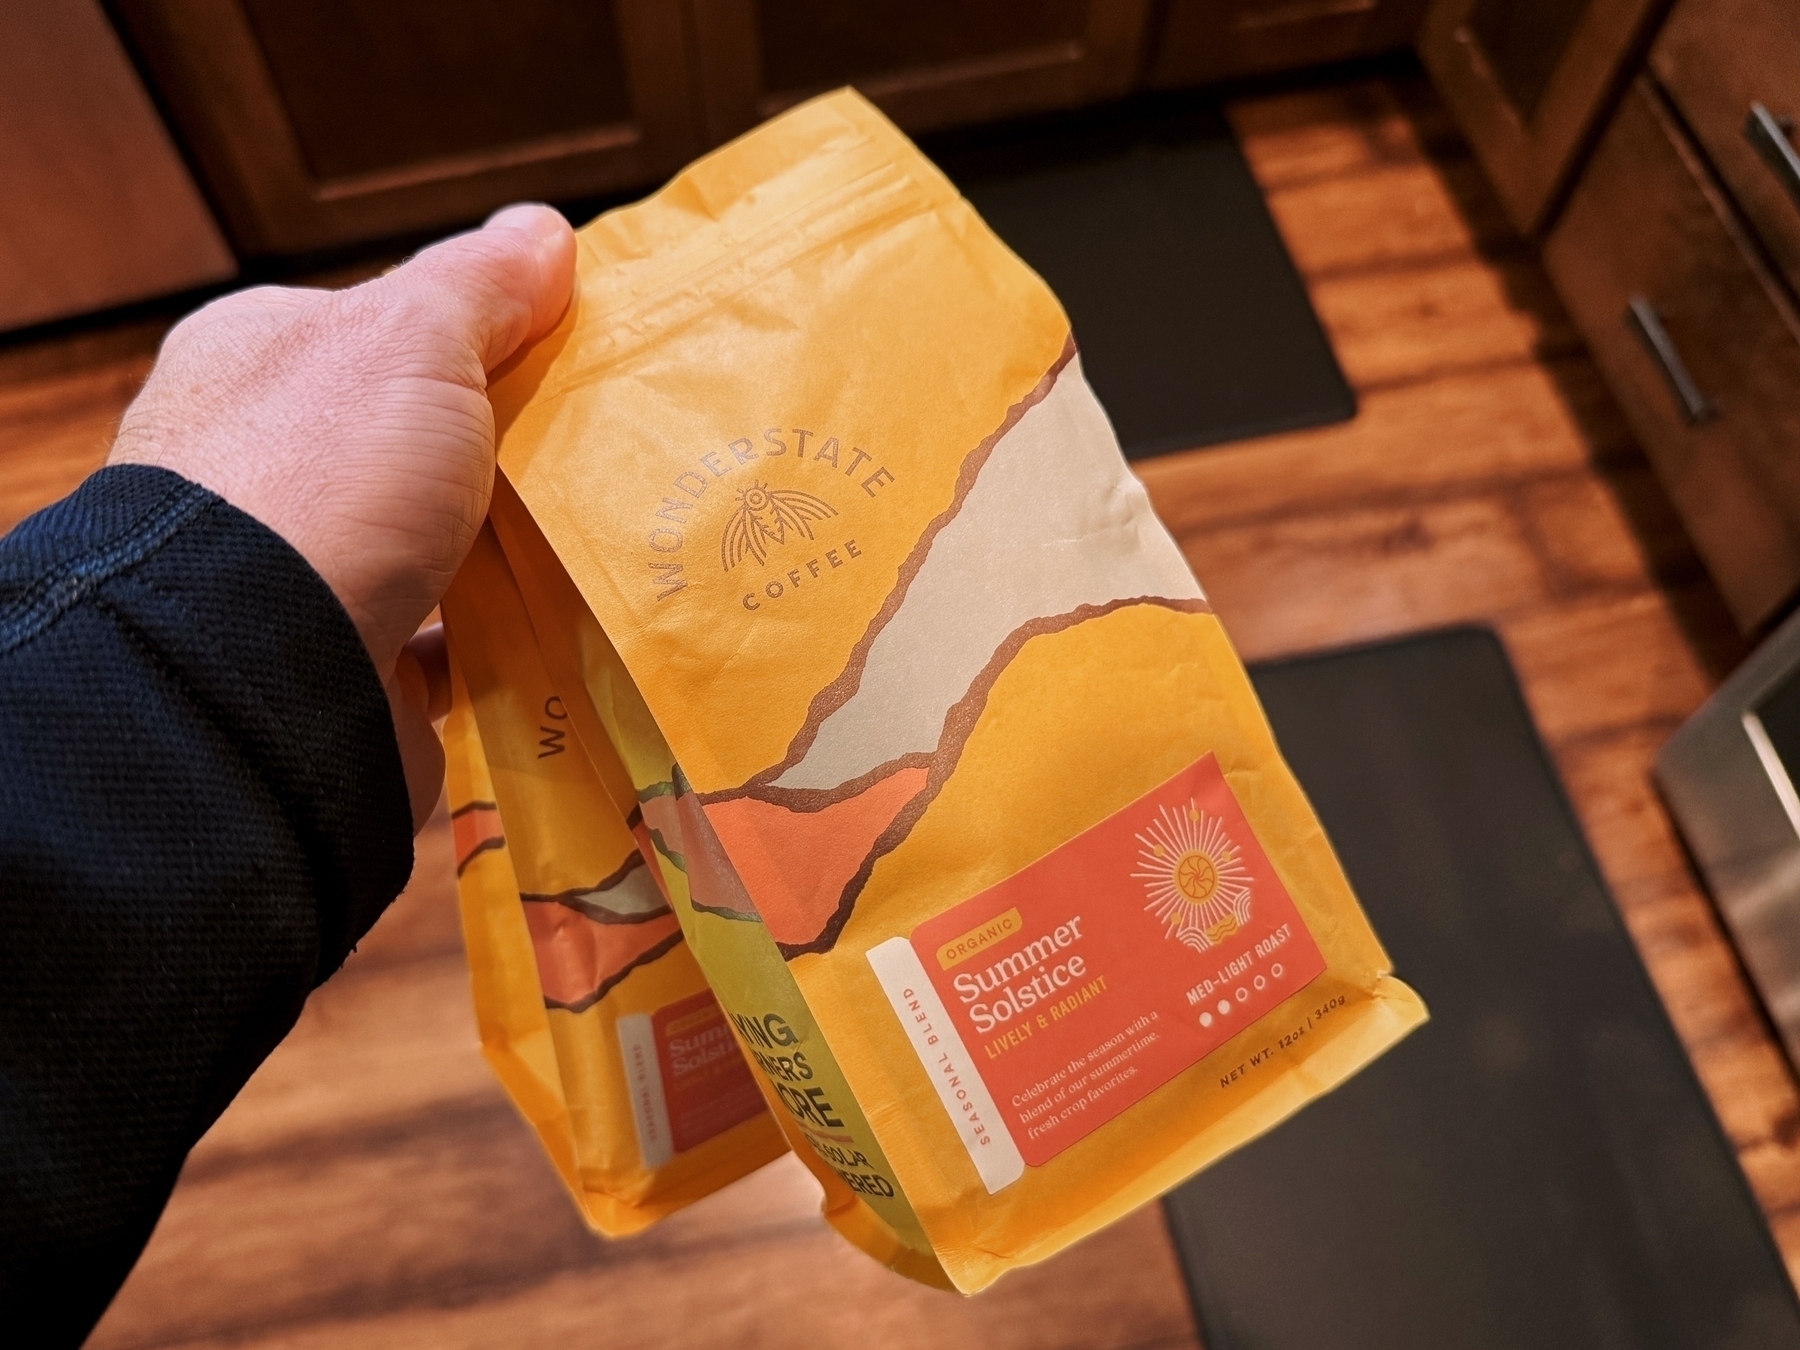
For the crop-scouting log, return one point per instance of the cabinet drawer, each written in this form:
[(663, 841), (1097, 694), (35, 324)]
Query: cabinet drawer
[(1719, 59), (1643, 227)]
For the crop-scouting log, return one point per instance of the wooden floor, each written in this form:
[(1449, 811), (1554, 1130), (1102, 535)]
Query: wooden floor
[(372, 1187)]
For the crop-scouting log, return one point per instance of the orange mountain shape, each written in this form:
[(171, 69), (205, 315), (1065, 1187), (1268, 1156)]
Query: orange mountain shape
[(578, 960), (796, 864), (474, 829)]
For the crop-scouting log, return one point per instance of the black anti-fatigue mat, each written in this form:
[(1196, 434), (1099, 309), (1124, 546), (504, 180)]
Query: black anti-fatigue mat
[(1534, 1169), (1143, 217)]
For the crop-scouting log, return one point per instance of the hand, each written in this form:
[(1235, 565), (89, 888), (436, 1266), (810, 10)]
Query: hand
[(356, 425)]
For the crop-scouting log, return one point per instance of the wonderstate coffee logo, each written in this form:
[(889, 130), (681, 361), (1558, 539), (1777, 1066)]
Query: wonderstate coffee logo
[(765, 517)]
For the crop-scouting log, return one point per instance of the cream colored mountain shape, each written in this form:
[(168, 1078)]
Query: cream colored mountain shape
[(1053, 522), (632, 899)]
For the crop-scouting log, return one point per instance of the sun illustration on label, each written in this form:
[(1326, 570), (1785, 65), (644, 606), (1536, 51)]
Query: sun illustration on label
[(1194, 875), (763, 518)]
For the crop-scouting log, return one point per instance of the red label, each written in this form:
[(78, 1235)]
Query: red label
[(1091, 978), (706, 1083)]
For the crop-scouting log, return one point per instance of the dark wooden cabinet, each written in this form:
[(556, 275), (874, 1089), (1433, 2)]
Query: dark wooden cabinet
[(1698, 340), (316, 122), (1205, 40), (926, 63), (325, 121), (1529, 80), (1651, 147)]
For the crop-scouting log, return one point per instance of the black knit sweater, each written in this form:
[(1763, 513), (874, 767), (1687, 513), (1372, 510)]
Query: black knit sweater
[(201, 810)]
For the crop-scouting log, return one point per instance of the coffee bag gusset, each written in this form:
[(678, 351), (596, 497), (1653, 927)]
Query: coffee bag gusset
[(659, 1106), (963, 743), (804, 1085), (509, 1008)]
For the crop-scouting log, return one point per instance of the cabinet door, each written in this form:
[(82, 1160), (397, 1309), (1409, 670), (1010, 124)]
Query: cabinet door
[(927, 63), (1205, 40), (316, 122), (1698, 342), (1529, 80)]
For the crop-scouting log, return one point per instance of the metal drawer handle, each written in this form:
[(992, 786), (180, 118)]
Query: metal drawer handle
[(1769, 135), (1643, 318)]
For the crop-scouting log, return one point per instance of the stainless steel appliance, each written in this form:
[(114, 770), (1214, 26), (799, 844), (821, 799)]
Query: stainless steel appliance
[(1730, 777)]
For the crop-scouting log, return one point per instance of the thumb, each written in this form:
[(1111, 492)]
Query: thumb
[(498, 287)]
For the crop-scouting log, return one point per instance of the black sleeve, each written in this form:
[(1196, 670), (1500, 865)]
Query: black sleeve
[(201, 810)]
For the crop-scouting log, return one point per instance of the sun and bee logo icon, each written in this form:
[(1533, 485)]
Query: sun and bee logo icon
[(764, 518), (1194, 875)]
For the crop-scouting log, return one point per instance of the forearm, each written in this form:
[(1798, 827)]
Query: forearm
[(201, 810)]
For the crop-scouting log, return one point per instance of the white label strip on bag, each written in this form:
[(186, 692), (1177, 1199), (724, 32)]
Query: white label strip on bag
[(948, 1064), (643, 1076)]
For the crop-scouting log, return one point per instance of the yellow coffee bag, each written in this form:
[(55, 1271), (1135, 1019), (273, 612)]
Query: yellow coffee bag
[(591, 1008), (986, 846)]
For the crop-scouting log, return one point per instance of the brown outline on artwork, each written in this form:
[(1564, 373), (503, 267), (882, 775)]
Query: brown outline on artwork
[(737, 915), (488, 845), (607, 985), (804, 801), (571, 899), (839, 692), (959, 723)]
